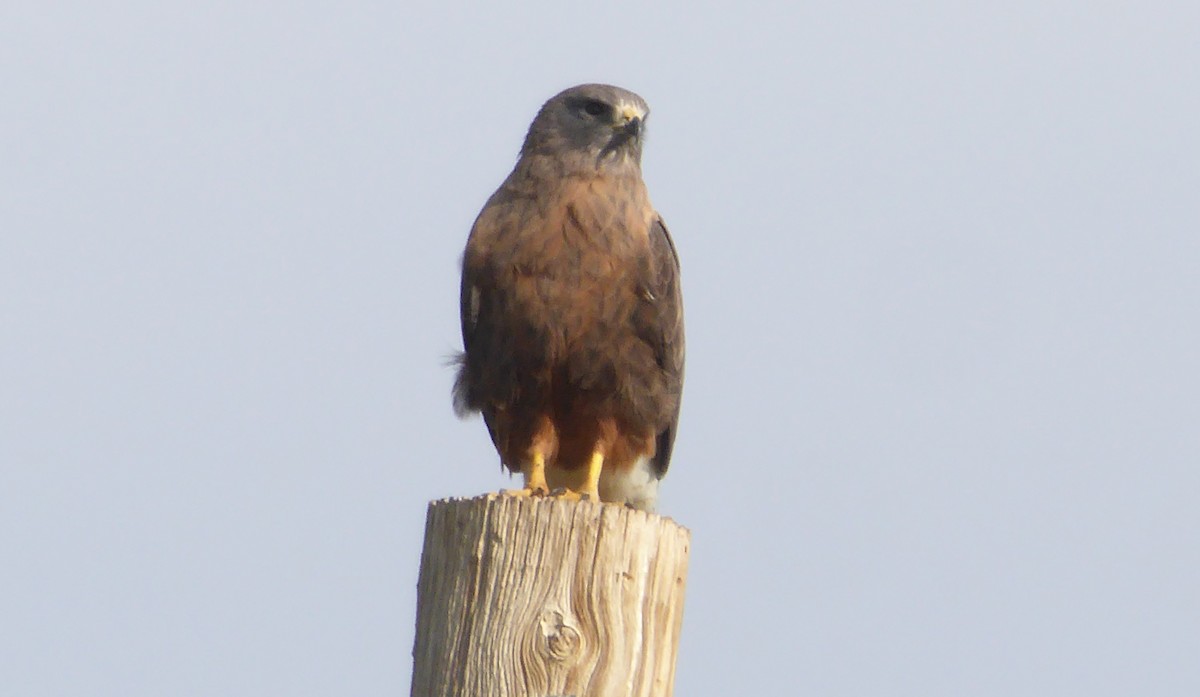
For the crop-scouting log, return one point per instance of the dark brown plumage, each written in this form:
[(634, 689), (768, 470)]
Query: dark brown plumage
[(571, 313)]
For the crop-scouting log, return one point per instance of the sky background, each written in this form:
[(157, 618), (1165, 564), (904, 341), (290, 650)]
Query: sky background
[(941, 265)]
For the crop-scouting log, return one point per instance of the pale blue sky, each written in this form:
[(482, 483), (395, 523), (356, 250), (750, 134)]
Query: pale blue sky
[(942, 276)]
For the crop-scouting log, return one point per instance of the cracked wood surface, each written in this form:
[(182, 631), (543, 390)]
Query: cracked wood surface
[(530, 597)]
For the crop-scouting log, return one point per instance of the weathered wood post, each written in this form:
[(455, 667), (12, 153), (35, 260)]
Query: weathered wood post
[(535, 597)]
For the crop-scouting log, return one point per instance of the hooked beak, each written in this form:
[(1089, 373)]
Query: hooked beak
[(633, 127), (631, 121), (627, 130)]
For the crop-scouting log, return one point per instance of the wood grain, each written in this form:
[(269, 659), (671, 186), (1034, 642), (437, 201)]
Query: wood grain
[(531, 597)]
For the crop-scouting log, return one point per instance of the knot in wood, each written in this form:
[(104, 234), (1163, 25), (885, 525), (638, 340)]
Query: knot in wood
[(560, 640)]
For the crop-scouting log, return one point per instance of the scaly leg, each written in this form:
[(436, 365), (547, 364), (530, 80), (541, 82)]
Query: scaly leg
[(591, 486), (534, 473)]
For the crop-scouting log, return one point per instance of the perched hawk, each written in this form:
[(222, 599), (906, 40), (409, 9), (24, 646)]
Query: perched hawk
[(572, 320)]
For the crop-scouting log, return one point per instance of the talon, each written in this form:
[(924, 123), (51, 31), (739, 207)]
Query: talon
[(528, 492), (572, 495)]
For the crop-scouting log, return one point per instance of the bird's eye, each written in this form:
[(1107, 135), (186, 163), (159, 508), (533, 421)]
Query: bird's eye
[(595, 108)]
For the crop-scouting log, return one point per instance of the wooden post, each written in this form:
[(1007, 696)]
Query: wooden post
[(540, 597)]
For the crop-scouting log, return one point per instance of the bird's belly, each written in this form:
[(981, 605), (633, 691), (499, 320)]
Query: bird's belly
[(575, 347), (564, 313)]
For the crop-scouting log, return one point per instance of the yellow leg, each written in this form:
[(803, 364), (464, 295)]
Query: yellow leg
[(591, 485), (534, 473)]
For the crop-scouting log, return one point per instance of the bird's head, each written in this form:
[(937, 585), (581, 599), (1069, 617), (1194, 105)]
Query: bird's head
[(591, 126)]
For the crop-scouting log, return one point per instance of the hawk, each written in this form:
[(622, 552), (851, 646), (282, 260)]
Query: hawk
[(572, 321)]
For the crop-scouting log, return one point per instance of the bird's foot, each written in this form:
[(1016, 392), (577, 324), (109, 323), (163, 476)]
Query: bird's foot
[(572, 495), (527, 492)]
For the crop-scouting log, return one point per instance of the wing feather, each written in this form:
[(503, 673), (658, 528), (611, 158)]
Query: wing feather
[(666, 335)]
